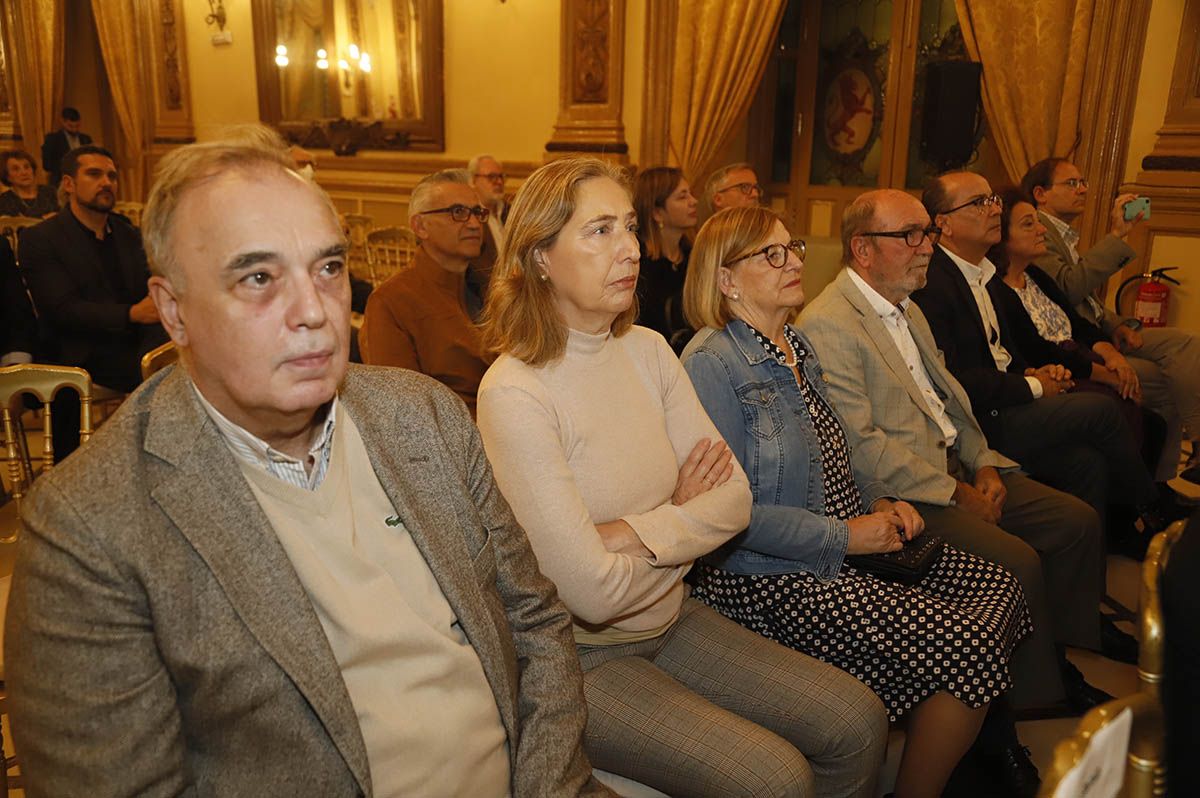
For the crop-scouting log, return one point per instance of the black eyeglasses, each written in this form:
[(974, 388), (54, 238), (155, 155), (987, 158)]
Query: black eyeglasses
[(460, 213), (495, 177), (745, 188), (981, 203), (1074, 183), (776, 254), (914, 236)]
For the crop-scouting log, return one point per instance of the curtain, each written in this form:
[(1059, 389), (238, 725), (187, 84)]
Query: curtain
[(33, 40), (721, 51), (117, 24), (1033, 54)]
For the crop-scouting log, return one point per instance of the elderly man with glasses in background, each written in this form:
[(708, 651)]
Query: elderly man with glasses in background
[(732, 186), (910, 426), (422, 318), (487, 176)]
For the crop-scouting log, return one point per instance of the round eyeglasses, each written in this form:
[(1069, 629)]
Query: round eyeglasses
[(981, 203), (776, 254), (1073, 183), (460, 213), (914, 236), (748, 189)]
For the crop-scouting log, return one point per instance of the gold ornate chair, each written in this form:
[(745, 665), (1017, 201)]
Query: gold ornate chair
[(389, 251), (11, 226), (1145, 772), (1151, 653), (43, 382), (356, 226), (158, 359), (130, 210)]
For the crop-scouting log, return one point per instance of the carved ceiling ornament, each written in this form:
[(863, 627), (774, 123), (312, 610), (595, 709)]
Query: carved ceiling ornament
[(593, 24)]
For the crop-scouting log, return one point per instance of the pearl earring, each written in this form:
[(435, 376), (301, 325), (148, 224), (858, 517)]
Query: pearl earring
[(734, 295)]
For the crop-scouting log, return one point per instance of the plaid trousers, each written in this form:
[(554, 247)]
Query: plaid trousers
[(710, 708)]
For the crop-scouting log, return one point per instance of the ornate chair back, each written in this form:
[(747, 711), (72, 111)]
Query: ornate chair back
[(355, 226), (1098, 755), (1151, 632), (158, 359), (11, 226), (130, 210), (389, 250), (43, 382)]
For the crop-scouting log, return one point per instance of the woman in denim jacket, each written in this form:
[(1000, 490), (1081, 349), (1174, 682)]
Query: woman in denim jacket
[(937, 651)]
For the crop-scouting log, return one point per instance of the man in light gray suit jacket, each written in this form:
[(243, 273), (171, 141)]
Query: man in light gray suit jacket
[(1167, 360), (268, 574), (910, 426)]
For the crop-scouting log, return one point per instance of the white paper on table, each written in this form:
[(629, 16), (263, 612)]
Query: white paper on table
[(1100, 772)]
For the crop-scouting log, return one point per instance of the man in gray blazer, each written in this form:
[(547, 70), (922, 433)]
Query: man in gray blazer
[(910, 425), (1167, 360), (272, 574)]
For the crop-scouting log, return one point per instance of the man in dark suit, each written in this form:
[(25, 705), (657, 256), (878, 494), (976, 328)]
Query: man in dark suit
[(59, 142), (86, 270), (271, 573), (1076, 442)]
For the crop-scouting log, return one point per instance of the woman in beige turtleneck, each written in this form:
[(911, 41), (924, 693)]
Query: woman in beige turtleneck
[(621, 481)]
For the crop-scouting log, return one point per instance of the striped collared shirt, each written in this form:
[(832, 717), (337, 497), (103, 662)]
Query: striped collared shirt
[(251, 449)]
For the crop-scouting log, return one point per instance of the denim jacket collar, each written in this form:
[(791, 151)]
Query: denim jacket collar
[(743, 338)]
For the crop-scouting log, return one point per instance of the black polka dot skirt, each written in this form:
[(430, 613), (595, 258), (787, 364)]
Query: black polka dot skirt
[(953, 631)]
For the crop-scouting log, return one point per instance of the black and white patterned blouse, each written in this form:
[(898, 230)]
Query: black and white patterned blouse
[(842, 497)]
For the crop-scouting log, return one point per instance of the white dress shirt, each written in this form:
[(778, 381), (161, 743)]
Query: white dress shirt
[(896, 322), (977, 277)]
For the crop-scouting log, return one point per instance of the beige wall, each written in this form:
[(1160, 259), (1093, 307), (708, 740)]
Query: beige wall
[(500, 74), (1158, 59), (222, 77)]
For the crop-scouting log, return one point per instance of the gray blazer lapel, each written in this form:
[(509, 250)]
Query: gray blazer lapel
[(426, 494), (202, 491), (882, 340)]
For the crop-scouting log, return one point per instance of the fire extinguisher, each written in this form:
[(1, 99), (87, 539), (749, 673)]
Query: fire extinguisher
[(1153, 296)]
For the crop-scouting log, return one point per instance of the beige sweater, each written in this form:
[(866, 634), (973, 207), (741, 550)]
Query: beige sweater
[(599, 435), (428, 717)]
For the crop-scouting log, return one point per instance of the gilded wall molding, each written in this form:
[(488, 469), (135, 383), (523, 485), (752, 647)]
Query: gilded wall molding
[(1115, 47), (591, 68), (169, 103), (1178, 144)]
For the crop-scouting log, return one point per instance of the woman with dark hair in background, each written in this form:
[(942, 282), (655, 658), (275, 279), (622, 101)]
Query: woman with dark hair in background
[(24, 197), (666, 214), (1047, 329)]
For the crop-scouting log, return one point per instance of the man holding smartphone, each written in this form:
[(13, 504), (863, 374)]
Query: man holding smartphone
[(1167, 361)]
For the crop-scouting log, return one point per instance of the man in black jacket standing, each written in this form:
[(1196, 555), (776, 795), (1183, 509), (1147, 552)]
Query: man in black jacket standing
[(87, 272), (59, 142)]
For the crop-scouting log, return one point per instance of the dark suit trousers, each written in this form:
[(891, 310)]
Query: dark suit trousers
[(1081, 444), (1051, 543)]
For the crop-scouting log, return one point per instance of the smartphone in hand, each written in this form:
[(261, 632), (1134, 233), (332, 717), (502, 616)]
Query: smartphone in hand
[(1134, 207)]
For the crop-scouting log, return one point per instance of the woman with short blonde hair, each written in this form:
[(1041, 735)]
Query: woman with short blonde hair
[(936, 651), (621, 481)]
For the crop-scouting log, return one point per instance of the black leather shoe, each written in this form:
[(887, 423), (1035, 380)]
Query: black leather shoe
[(1013, 771), (1080, 695), (1117, 645)]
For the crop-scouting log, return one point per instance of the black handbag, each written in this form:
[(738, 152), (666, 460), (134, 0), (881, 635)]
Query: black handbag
[(907, 566)]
